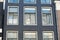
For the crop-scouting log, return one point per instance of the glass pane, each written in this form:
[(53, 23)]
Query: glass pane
[(11, 35), (48, 1), (44, 19), (47, 16), (29, 1), (45, 1), (30, 35), (27, 19), (30, 10), (12, 1), (46, 10), (48, 35), (13, 9), (33, 18), (30, 15), (15, 20)]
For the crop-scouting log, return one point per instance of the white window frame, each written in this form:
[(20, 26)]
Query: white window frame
[(30, 3), (51, 16), (11, 31), (8, 15), (35, 14), (48, 32), (30, 32), (15, 3)]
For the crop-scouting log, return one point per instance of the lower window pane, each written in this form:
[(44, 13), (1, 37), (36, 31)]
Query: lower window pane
[(30, 19)]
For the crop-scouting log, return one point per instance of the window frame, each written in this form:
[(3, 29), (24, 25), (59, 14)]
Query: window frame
[(29, 2), (14, 2), (35, 14), (47, 3), (8, 15), (12, 32), (51, 16), (30, 32), (48, 32)]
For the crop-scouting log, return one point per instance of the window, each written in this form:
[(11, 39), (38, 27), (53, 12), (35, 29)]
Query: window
[(30, 35), (30, 15), (12, 35), (30, 1), (45, 1), (12, 18), (47, 16), (0, 30), (13, 1), (48, 35), (0, 38)]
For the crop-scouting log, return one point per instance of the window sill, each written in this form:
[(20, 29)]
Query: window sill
[(48, 25), (30, 24)]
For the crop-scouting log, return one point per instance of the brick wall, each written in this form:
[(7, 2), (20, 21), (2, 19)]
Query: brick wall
[(58, 17), (58, 23)]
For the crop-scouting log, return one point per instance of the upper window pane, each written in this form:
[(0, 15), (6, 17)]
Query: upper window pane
[(45, 1), (13, 1), (30, 10), (30, 1)]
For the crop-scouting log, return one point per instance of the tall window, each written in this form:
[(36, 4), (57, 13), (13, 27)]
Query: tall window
[(45, 1), (29, 35), (12, 35), (30, 1), (30, 15), (13, 1), (47, 16), (12, 17), (48, 35)]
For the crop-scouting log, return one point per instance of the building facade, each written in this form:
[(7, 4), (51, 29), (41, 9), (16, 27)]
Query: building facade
[(1, 19), (58, 17), (30, 20)]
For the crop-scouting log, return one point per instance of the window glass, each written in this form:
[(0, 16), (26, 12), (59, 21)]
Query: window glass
[(29, 15), (47, 16), (29, 35), (48, 35), (30, 1), (12, 16), (45, 1), (13, 1), (12, 35)]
